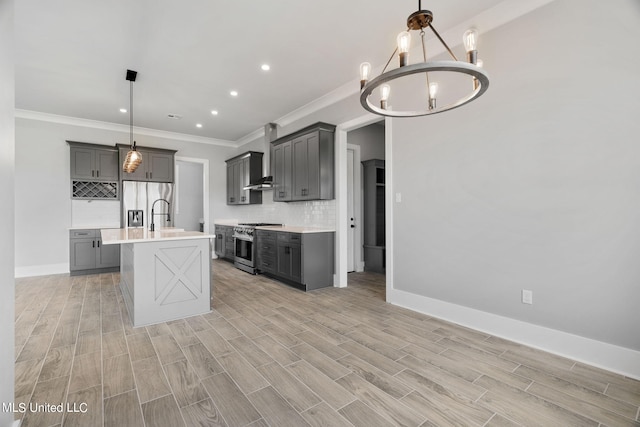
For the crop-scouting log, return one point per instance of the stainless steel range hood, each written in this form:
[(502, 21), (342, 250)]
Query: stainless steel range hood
[(266, 182)]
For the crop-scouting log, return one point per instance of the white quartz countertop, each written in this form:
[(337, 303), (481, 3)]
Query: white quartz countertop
[(140, 235), (92, 227), (228, 222), (297, 229)]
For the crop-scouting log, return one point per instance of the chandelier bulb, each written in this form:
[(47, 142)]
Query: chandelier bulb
[(404, 43), (470, 40), (384, 96), (433, 91), (365, 70)]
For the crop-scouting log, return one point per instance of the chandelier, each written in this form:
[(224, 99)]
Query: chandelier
[(134, 157), (425, 74)]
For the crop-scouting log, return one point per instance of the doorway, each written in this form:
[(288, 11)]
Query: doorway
[(354, 209), (192, 194), (365, 145)]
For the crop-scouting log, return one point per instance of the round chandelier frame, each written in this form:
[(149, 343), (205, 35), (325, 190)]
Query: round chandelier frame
[(419, 20)]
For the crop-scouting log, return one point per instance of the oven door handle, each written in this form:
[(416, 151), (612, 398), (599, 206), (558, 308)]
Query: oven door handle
[(246, 239)]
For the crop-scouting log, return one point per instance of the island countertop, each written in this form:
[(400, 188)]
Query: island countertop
[(296, 229), (117, 236)]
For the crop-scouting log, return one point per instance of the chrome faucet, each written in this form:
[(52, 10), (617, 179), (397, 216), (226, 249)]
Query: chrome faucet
[(152, 227)]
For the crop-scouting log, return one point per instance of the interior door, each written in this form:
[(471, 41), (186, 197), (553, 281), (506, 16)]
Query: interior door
[(351, 230)]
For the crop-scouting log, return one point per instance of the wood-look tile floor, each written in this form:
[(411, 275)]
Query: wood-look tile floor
[(270, 355)]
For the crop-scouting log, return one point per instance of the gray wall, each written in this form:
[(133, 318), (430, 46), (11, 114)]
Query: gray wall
[(189, 195), (43, 204), (7, 138), (370, 139), (535, 185)]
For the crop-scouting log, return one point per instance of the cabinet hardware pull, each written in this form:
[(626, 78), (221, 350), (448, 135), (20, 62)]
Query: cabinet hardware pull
[(150, 175), (93, 173), (93, 244), (98, 243), (98, 174)]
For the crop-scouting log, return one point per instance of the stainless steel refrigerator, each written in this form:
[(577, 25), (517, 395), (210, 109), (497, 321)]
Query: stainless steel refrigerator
[(139, 197)]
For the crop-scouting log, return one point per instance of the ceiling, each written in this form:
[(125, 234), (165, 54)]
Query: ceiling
[(72, 56)]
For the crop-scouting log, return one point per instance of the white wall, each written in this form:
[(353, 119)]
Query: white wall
[(7, 163), (43, 204), (188, 197), (536, 185), (370, 139)]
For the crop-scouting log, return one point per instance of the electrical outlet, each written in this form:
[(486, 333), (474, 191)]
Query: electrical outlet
[(398, 197), (527, 296)]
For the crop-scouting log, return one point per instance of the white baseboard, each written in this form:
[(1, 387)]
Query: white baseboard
[(41, 270), (613, 358)]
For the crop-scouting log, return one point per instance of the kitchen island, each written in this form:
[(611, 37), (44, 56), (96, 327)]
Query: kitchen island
[(164, 275)]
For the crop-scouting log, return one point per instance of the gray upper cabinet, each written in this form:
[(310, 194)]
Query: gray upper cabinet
[(160, 167), (94, 171), (281, 170), (91, 162), (157, 165), (303, 164), (242, 170), (306, 167)]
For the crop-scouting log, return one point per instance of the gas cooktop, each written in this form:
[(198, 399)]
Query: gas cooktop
[(258, 224)]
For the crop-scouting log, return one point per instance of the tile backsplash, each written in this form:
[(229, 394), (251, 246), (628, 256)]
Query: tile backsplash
[(95, 213), (317, 213)]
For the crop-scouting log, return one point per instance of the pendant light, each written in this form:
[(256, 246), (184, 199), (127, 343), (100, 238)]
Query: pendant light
[(134, 157)]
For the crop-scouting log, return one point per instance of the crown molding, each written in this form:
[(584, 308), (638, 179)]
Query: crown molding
[(258, 133), (115, 127), (494, 17)]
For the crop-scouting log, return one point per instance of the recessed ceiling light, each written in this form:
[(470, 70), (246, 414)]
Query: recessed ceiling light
[(265, 67), (214, 112), (198, 125), (123, 110), (233, 93)]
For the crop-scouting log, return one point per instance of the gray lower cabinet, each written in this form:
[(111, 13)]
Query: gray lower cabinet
[(303, 260), (289, 256), (223, 246), (87, 254), (265, 242)]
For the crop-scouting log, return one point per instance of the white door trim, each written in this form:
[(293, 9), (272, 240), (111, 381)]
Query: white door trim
[(357, 206), (341, 194), (205, 186)]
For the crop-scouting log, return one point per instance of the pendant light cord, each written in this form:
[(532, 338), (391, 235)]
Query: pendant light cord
[(131, 143)]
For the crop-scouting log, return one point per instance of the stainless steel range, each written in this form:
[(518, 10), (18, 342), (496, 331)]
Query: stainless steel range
[(244, 249)]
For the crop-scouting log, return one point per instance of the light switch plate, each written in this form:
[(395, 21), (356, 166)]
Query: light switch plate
[(527, 296)]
